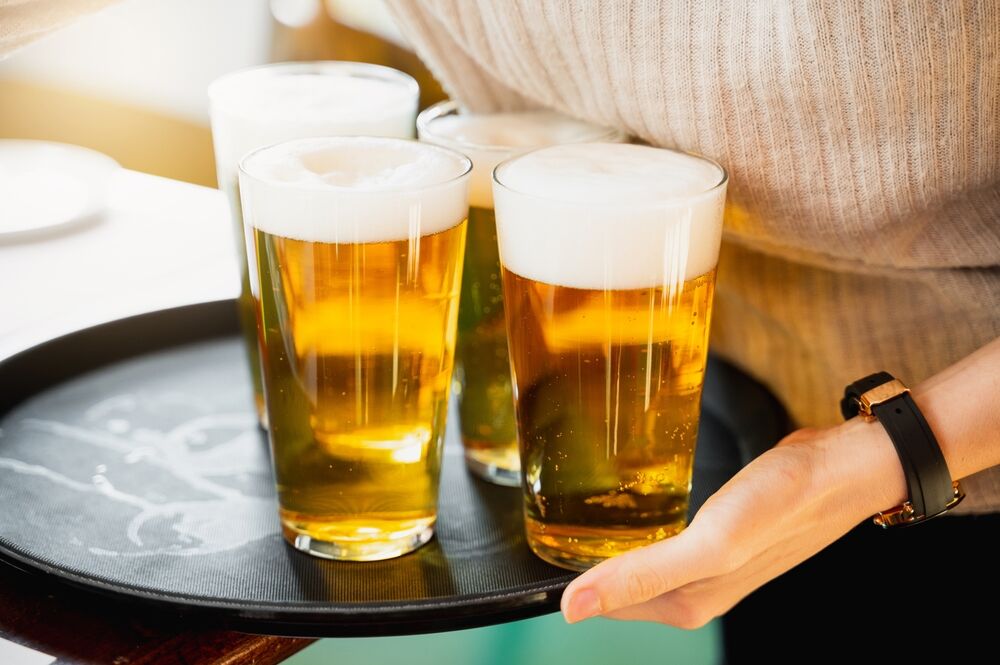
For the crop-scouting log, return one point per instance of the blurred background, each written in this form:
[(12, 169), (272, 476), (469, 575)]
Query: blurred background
[(130, 81)]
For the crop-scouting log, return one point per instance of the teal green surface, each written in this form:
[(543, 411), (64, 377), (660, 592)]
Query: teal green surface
[(547, 640)]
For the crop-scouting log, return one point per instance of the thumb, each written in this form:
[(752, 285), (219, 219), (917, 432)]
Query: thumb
[(637, 576)]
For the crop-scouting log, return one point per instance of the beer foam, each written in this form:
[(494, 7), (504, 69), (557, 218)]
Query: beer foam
[(354, 189), (266, 105), (490, 138), (609, 216)]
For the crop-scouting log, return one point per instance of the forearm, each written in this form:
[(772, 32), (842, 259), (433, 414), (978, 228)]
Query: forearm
[(962, 407)]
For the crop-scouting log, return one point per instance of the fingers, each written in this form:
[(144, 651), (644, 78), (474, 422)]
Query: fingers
[(689, 607), (753, 513), (695, 604), (640, 575)]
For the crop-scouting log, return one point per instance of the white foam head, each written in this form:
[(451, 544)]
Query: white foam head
[(490, 138), (354, 189), (609, 216), (264, 105)]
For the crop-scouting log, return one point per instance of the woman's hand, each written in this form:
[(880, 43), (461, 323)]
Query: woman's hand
[(790, 503), (785, 506)]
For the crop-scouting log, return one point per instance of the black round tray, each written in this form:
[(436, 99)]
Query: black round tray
[(131, 464)]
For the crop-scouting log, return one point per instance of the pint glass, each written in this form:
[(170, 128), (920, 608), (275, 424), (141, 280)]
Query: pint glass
[(356, 247), (609, 254), (264, 105), (482, 367)]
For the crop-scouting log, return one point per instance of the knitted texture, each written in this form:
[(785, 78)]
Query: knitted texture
[(863, 146), (23, 21)]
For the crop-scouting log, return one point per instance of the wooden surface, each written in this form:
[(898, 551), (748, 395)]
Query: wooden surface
[(77, 626)]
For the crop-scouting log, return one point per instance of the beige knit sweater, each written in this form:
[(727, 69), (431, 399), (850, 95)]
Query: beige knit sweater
[(862, 140)]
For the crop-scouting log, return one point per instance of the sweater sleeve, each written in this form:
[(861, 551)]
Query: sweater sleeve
[(439, 43), (24, 21)]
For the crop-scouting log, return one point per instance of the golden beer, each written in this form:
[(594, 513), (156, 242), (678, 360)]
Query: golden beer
[(264, 105), (609, 299), (608, 384), (485, 397), (482, 372), (358, 297)]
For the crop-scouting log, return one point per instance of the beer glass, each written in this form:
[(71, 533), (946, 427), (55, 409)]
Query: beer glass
[(482, 367), (259, 106), (356, 247), (608, 255)]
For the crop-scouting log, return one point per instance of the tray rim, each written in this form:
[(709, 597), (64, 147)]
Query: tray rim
[(294, 618)]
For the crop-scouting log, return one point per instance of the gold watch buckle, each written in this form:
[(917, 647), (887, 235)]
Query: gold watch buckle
[(877, 395), (903, 513)]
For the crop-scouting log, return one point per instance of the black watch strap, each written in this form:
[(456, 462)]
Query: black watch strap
[(927, 477)]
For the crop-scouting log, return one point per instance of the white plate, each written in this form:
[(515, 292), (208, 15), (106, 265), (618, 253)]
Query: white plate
[(45, 184)]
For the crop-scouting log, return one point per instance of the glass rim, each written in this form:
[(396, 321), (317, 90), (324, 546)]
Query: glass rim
[(449, 106), (666, 201), (331, 67), (343, 189)]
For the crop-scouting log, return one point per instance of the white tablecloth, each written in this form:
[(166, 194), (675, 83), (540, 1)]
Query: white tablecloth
[(160, 243)]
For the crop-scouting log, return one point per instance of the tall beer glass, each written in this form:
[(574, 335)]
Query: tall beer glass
[(482, 367), (356, 246), (609, 255), (264, 105)]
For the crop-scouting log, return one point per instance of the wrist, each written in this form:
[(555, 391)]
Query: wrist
[(962, 407), (860, 457), (948, 430)]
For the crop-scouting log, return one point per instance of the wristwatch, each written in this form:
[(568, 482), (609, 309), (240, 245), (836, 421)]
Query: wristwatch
[(932, 492)]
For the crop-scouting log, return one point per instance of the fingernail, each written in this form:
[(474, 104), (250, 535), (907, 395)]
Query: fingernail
[(582, 605)]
